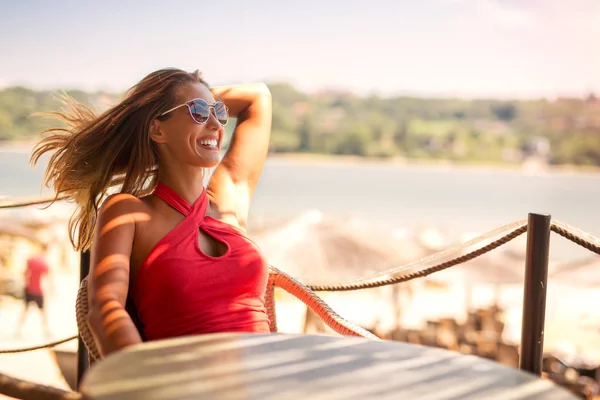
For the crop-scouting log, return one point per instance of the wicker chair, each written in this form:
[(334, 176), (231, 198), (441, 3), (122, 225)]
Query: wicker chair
[(29, 390), (277, 278)]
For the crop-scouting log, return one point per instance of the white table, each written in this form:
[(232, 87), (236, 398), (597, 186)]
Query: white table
[(281, 366)]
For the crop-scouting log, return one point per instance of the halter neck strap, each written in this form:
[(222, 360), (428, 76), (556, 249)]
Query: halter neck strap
[(173, 199)]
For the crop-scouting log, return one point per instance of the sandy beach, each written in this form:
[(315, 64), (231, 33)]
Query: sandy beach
[(39, 365)]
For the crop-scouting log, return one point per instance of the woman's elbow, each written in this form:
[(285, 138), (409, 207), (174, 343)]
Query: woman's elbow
[(103, 318), (111, 326), (93, 317), (263, 90)]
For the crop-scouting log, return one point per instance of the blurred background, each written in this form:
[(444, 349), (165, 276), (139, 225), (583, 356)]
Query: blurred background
[(399, 129)]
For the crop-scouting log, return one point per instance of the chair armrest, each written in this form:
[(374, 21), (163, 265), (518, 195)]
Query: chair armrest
[(318, 305), (81, 313)]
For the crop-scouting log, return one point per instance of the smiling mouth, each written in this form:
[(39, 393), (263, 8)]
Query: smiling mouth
[(208, 144)]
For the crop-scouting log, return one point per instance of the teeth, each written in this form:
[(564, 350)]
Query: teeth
[(211, 143)]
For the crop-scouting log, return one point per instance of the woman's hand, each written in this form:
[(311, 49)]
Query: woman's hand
[(234, 180)]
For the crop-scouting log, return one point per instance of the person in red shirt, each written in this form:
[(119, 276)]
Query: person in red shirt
[(36, 269)]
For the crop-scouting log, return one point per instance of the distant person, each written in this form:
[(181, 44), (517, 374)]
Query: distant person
[(177, 249), (36, 270)]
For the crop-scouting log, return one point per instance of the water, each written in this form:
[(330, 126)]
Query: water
[(456, 200)]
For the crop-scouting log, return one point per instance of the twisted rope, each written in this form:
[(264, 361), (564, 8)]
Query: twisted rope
[(576, 236), (367, 284), (25, 203), (42, 346)]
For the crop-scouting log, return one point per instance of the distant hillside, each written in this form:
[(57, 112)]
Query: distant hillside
[(564, 131)]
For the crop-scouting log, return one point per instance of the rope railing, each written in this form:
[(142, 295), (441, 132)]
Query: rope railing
[(399, 274), (576, 236), (373, 282), (538, 227), (39, 347), (12, 203), (416, 269)]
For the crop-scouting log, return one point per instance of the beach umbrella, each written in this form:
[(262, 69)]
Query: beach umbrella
[(11, 228), (325, 250), (321, 250), (585, 272), (497, 269)]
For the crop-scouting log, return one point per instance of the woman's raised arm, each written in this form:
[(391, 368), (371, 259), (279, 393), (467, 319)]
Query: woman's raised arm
[(235, 178)]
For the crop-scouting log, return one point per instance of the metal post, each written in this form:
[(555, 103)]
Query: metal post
[(82, 354), (534, 295)]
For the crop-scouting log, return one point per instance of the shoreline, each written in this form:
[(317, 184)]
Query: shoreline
[(335, 159), (17, 146)]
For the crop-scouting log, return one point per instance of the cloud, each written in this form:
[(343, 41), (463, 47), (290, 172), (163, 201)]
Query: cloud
[(591, 26), (497, 12), (508, 14), (581, 15), (573, 13)]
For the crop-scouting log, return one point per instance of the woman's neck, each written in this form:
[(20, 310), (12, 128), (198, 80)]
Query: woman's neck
[(187, 182)]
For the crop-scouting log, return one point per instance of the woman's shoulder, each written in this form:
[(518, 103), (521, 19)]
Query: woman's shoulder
[(124, 206)]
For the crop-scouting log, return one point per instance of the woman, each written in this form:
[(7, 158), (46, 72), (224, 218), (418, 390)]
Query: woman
[(175, 248)]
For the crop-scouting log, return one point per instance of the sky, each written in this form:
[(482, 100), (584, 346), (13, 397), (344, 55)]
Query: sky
[(458, 48)]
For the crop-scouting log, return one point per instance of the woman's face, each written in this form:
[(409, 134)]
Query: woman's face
[(182, 138)]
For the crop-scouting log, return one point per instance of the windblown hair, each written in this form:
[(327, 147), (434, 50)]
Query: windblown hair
[(94, 154)]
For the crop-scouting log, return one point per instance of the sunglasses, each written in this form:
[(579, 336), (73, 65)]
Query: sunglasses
[(200, 111)]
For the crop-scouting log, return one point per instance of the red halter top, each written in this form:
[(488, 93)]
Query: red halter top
[(179, 290)]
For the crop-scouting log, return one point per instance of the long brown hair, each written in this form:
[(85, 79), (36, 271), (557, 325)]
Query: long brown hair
[(93, 154)]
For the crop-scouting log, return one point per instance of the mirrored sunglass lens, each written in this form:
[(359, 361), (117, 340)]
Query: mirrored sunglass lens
[(221, 112), (200, 111)]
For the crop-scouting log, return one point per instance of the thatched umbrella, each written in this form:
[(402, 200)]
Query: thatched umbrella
[(319, 250), (497, 268), (11, 229), (585, 272), (38, 216)]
